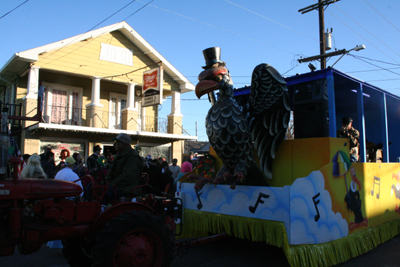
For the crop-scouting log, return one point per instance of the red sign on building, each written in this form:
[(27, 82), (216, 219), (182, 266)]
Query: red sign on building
[(152, 87), (150, 80)]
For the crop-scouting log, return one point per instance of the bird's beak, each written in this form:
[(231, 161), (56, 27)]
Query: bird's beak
[(205, 87), (207, 84)]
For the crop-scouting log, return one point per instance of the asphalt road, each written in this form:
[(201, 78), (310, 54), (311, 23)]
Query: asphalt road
[(227, 252)]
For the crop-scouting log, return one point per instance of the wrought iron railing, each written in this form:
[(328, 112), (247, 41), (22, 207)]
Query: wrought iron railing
[(154, 124), (57, 114)]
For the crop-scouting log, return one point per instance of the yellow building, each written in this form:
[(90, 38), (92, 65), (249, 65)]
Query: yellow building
[(92, 90)]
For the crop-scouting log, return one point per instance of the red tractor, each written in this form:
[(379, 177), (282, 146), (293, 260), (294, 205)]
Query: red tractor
[(34, 211)]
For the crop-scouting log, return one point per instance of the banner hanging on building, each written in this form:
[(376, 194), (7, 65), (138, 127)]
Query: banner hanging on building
[(152, 87)]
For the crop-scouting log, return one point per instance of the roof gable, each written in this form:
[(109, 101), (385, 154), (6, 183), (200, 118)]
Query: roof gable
[(73, 46)]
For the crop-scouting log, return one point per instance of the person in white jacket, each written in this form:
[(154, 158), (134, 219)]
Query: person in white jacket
[(67, 173)]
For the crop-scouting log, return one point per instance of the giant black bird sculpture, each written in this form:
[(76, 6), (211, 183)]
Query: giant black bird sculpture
[(233, 130)]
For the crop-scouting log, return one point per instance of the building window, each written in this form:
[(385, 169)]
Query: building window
[(116, 54), (62, 104)]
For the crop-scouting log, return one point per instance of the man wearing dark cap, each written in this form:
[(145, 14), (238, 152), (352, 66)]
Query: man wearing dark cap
[(126, 170), (347, 131), (91, 161)]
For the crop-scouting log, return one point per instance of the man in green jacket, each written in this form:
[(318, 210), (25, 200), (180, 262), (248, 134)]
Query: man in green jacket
[(126, 170), (347, 131)]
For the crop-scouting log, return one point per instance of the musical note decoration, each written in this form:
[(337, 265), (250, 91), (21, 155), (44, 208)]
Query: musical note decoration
[(377, 181), (198, 194), (252, 209), (316, 217)]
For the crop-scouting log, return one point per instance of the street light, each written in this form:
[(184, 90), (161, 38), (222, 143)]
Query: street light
[(357, 48)]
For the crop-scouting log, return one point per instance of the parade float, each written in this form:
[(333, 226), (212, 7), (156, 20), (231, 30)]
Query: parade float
[(320, 207)]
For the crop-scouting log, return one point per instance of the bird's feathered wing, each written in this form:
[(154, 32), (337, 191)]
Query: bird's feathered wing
[(268, 113)]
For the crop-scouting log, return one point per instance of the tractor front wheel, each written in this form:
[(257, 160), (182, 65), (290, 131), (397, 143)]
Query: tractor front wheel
[(134, 239)]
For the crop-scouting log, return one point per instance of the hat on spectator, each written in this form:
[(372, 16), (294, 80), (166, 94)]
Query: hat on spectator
[(97, 148), (347, 120), (70, 160), (124, 138)]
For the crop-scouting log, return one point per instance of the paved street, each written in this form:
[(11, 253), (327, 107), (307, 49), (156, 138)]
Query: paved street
[(224, 253)]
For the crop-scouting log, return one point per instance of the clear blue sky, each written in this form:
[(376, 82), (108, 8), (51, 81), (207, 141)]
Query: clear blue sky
[(249, 32)]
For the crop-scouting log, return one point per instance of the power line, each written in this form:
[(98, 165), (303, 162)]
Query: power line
[(221, 29), (360, 35), (290, 69), (124, 74), (13, 9), (271, 20), (122, 8), (357, 57), (379, 61), (369, 66), (138, 10), (382, 16), (368, 31), (356, 71)]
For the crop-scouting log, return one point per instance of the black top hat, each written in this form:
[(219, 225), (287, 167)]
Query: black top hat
[(212, 55)]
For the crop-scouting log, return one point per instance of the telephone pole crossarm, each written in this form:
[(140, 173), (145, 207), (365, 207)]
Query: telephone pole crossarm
[(316, 6), (335, 53), (320, 7)]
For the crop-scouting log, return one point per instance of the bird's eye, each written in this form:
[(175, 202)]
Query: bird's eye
[(218, 78)]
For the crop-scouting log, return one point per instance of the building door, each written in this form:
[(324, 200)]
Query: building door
[(117, 104)]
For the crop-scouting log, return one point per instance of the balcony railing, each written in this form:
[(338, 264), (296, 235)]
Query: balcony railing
[(109, 120), (154, 124), (63, 115)]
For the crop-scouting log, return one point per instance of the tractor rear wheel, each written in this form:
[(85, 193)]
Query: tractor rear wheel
[(77, 252), (135, 238)]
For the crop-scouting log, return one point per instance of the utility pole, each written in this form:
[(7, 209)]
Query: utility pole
[(320, 6), (321, 33)]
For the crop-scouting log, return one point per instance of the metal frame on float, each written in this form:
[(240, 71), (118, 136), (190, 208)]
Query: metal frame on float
[(375, 111)]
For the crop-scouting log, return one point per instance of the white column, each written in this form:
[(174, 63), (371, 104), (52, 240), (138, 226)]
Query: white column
[(143, 119), (176, 104), (131, 97), (33, 83), (95, 92)]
